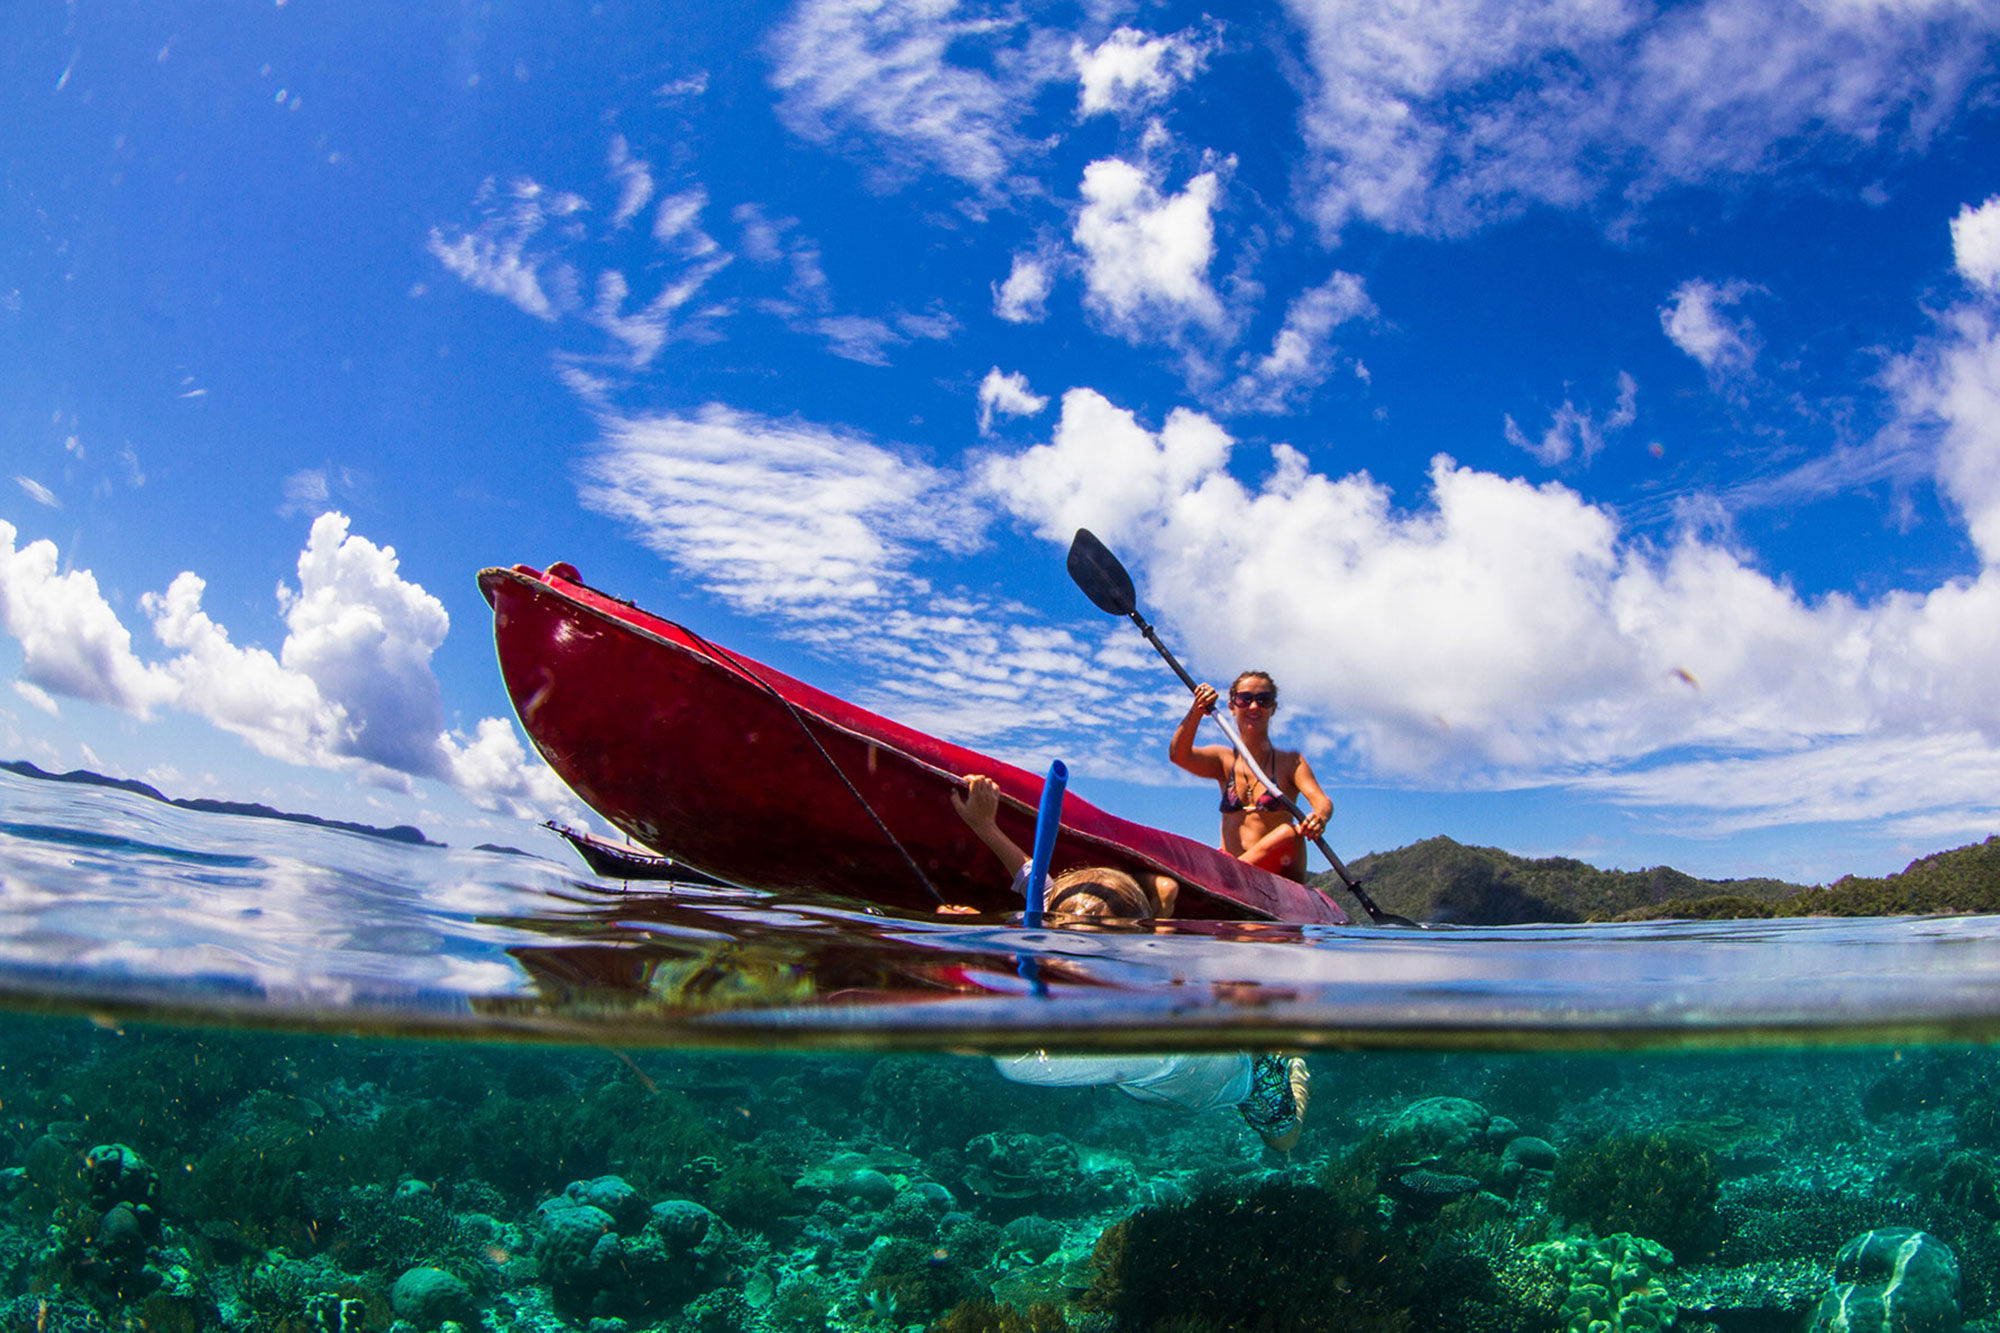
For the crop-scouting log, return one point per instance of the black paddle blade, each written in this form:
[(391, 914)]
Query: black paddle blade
[(1097, 571)]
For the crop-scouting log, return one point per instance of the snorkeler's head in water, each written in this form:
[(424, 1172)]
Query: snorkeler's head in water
[(1097, 891)]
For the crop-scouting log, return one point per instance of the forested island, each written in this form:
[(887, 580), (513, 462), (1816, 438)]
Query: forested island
[(1439, 880)]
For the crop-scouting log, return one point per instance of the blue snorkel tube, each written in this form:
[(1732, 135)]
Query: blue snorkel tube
[(1048, 819)]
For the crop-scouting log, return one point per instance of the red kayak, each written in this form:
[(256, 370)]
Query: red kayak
[(736, 769)]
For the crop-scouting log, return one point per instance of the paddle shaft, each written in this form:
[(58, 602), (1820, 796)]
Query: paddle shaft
[(1285, 802)]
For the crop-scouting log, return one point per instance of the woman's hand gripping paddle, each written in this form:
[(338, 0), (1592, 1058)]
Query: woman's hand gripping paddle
[(1105, 582)]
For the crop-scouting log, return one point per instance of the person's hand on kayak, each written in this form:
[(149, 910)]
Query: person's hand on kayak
[(980, 805)]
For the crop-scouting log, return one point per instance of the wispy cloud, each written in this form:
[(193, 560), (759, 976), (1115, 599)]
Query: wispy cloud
[(634, 178), (310, 492), (495, 256), (1696, 321), (677, 223), (1574, 432), (775, 515), (1443, 118), (1301, 355), (1921, 786), (531, 245), (828, 536), (37, 697), (915, 85), (37, 492)]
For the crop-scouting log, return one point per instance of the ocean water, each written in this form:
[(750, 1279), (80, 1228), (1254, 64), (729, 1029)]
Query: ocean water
[(262, 1076)]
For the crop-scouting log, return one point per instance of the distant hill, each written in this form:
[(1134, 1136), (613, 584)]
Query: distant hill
[(1964, 879), (1441, 880), (400, 833)]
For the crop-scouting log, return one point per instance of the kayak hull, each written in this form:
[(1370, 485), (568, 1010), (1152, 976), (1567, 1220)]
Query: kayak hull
[(736, 769)]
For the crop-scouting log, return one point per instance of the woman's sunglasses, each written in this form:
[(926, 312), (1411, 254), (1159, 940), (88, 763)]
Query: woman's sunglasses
[(1254, 698)]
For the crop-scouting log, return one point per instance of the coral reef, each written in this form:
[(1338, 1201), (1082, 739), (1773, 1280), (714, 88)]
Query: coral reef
[(1661, 1186), (352, 1187), (604, 1253), (1608, 1285)]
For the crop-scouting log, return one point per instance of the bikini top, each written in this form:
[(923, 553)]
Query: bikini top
[(1232, 800)]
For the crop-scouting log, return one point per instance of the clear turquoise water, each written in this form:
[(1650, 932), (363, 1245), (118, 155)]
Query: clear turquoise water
[(263, 1076)]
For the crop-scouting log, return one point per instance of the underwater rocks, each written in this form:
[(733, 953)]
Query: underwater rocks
[(1891, 1280), (1438, 1127), (604, 1253), (1013, 1173), (426, 1297), (114, 1174), (105, 1241)]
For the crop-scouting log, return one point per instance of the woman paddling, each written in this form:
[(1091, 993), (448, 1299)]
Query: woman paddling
[(1255, 827)]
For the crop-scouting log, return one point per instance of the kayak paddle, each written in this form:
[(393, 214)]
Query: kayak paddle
[(1104, 581)]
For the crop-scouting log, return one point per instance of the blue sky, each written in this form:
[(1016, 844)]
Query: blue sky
[(1589, 411)]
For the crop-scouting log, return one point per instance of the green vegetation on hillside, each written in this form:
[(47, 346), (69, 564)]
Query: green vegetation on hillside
[(1965, 879), (1441, 880)]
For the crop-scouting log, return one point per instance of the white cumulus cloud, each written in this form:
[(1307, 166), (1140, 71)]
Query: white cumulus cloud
[(1006, 395), (1130, 70), (1948, 393), (1023, 298), (1975, 243), (1104, 471), (1146, 254), (1596, 655), (72, 641), (351, 689)]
